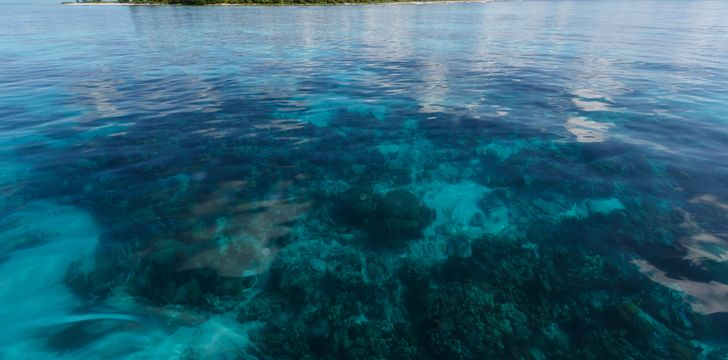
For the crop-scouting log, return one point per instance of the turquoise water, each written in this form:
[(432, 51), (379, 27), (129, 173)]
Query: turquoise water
[(512, 180)]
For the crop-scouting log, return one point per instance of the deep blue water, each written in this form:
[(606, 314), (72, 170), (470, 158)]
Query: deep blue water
[(511, 180)]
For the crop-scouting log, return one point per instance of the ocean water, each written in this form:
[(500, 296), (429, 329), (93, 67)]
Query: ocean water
[(509, 180)]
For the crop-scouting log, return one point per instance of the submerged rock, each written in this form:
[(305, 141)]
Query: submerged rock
[(402, 217), (357, 206), (166, 253), (389, 220), (401, 204)]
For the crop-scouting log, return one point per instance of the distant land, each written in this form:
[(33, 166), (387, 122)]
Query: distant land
[(258, 2)]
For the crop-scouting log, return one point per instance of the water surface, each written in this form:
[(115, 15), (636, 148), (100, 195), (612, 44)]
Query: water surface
[(525, 180)]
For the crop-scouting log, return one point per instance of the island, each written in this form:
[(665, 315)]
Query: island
[(255, 2)]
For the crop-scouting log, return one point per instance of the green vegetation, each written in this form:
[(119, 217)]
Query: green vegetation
[(264, 2)]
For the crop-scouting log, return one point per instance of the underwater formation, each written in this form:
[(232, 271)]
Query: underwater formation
[(476, 182), (441, 258)]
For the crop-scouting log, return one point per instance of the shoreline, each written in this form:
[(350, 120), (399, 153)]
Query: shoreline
[(284, 4)]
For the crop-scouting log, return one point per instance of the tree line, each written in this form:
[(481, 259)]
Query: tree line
[(271, 2)]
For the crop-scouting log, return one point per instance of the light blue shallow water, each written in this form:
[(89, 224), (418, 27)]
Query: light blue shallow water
[(525, 180)]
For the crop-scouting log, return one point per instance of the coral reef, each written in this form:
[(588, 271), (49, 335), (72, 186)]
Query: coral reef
[(392, 229), (390, 220), (420, 261), (506, 301)]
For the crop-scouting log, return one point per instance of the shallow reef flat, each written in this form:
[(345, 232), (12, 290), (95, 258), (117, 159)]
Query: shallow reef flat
[(462, 190)]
